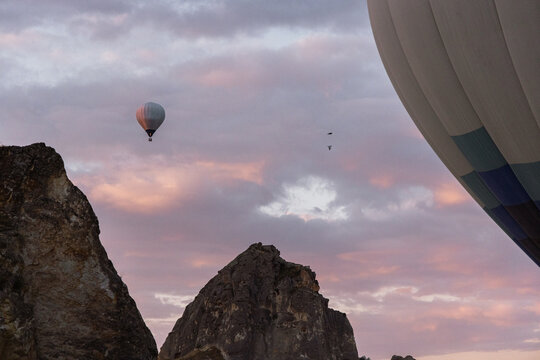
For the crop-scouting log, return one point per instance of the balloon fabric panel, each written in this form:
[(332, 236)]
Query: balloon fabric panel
[(475, 43), (450, 66), (521, 26)]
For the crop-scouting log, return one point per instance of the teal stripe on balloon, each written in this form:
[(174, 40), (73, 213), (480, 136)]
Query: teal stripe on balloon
[(529, 177), (480, 150), (477, 186)]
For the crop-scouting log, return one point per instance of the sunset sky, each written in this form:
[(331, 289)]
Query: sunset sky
[(250, 89)]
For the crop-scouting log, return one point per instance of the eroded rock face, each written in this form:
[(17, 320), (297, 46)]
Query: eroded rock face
[(260, 307), (60, 296)]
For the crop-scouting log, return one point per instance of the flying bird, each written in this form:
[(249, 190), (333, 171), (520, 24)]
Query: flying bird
[(329, 146)]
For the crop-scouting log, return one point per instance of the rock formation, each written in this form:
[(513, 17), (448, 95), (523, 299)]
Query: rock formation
[(60, 296), (397, 357), (260, 307)]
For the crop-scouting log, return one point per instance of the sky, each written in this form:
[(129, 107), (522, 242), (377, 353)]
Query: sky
[(251, 88)]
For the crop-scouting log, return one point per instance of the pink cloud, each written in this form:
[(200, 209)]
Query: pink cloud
[(369, 263), (448, 194), (448, 258), (477, 311), (468, 313), (425, 326), (501, 314), (10, 39), (535, 308), (243, 73), (486, 355), (19, 40), (221, 78), (249, 171), (382, 181), (150, 185), (330, 278), (208, 261)]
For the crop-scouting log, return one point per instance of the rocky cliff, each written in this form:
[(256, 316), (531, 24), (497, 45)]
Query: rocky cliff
[(60, 296), (261, 307)]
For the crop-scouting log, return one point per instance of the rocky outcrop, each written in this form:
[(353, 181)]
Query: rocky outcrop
[(60, 296), (397, 357), (260, 307)]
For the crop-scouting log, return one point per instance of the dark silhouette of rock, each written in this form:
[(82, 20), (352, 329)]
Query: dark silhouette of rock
[(60, 296), (397, 357), (261, 307)]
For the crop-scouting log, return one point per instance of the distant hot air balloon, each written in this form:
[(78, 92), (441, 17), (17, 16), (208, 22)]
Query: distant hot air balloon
[(468, 73), (150, 116)]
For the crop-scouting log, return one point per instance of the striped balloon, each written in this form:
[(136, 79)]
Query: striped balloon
[(150, 116), (468, 73)]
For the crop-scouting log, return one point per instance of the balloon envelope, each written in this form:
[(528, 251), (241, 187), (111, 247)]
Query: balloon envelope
[(150, 116), (468, 74)]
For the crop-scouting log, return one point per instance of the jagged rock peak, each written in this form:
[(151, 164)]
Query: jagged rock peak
[(261, 307), (60, 296), (397, 357), (258, 254)]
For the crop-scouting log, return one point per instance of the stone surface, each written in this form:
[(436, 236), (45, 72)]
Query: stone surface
[(260, 307), (60, 296)]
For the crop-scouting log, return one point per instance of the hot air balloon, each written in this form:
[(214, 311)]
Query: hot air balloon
[(150, 116), (468, 73)]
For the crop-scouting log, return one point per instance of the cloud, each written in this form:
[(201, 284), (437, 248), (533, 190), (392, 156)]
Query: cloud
[(437, 297), (412, 292), (487, 355), (163, 325), (228, 18), (350, 305), (191, 19), (309, 198), (448, 194), (77, 166), (154, 184), (382, 181), (162, 322), (415, 198), (180, 301), (18, 15)]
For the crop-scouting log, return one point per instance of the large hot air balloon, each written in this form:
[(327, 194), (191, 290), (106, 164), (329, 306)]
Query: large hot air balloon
[(468, 73), (150, 116)]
